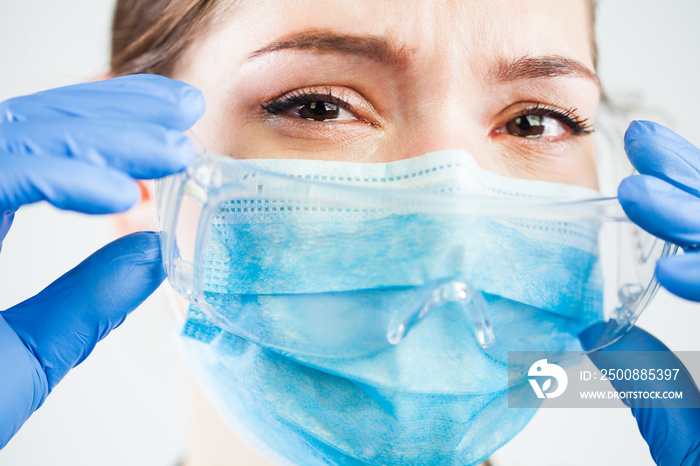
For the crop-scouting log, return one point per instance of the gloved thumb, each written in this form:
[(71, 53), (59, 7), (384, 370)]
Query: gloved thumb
[(47, 335), (673, 434)]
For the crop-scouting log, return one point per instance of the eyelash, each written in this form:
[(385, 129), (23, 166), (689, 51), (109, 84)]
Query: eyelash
[(568, 117), (302, 96)]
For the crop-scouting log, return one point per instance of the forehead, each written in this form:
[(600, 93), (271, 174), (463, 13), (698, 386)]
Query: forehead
[(475, 30)]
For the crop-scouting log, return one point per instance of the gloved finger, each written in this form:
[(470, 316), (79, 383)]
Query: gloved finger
[(63, 323), (661, 209), (142, 150), (59, 327), (673, 434), (150, 98), (680, 275), (65, 183), (656, 150)]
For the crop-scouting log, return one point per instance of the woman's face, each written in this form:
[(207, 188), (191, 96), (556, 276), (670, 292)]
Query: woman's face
[(509, 81), (512, 82)]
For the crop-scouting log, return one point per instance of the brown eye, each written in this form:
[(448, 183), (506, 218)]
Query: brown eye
[(319, 111), (311, 106), (534, 126), (527, 126)]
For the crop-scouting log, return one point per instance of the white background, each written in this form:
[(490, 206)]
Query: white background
[(127, 404)]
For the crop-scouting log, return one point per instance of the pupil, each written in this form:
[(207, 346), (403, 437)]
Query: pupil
[(318, 108), (319, 111), (528, 126)]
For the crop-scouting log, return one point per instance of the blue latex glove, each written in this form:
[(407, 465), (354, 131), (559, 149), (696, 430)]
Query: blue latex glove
[(665, 201), (673, 434), (80, 148)]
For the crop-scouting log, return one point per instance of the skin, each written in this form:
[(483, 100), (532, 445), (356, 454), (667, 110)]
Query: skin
[(443, 96), (443, 93)]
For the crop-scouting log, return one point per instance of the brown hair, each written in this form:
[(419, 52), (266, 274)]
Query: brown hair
[(149, 36)]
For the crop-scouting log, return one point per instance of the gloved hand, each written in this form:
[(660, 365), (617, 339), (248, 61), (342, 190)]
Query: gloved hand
[(665, 201), (80, 148), (673, 434)]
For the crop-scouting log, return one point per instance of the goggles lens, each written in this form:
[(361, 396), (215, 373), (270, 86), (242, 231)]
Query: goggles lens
[(329, 265)]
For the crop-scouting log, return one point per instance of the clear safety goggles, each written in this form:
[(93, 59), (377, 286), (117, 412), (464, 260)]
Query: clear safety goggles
[(311, 266)]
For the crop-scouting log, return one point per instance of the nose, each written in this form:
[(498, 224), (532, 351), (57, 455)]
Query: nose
[(441, 110)]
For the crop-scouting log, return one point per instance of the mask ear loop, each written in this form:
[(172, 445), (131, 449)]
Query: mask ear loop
[(453, 291)]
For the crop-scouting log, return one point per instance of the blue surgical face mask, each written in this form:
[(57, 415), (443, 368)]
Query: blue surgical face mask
[(284, 346)]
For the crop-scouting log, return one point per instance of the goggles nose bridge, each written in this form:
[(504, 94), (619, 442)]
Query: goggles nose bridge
[(459, 292)]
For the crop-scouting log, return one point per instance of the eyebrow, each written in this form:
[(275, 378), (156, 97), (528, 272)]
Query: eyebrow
[(381, 50), (374, 48), (546, 66)]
